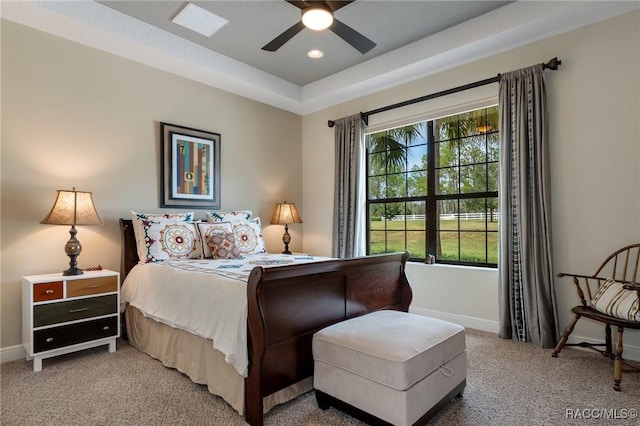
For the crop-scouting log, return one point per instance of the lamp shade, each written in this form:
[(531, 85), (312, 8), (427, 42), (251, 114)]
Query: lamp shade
[(72, 208), (285, 213)]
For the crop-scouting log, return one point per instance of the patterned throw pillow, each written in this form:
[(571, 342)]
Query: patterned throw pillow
[(223, 246), (165, 240), (230, 216), (249, 236), (208, 230), (139, 218), (616, 301)]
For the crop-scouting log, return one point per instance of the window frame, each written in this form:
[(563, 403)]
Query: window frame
[(432, 198)]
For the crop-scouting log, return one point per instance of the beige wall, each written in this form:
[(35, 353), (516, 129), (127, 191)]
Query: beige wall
[(75, 116), (594, 102)]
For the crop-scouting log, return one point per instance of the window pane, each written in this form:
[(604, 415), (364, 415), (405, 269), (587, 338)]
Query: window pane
[(446, 128), (493, 145), (397, 185), (472, 214), (470, 122), (448, 246), (492, 247), (447, 154), (473, 247), (417, 157), (394, 212), (448, 215), (447, 180), (492, 213), (377, 164), (416, 215), (395, 241), (417, 243), (473, 178), (492, 184), (473, 150), (377, 187), (377, 242), (417, 183)]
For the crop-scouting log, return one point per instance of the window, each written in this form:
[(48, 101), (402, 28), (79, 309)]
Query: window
[(432, 189)]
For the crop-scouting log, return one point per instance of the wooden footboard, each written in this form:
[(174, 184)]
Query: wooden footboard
[(288, 304)]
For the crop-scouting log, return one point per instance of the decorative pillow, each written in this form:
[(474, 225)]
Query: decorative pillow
[(139, 218), (223, 246), (614, 300), (164, 240), (208, 230), (249, 236), (230, 216)]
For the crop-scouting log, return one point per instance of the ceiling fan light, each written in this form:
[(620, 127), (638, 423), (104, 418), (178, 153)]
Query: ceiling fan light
[(317, 18)]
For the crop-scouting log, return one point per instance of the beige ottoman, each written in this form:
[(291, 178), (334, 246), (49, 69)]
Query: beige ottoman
[(392, 366)]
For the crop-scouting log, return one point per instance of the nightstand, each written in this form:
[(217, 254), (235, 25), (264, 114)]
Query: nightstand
[(62, 314)]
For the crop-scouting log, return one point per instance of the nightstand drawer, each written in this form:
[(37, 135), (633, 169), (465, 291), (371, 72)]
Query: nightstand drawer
[(54, 313), (47, 291), (66, 335), (89, 286)]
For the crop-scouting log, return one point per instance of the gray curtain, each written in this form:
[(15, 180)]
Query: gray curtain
[(349, 199), (527, 299)]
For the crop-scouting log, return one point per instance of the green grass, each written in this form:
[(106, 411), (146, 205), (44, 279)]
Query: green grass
[(471, 247)]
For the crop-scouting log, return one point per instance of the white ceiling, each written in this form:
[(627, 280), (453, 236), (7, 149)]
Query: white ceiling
[(415, 39)]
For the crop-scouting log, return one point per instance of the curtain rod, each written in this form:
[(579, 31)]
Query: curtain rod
[(552, 64)]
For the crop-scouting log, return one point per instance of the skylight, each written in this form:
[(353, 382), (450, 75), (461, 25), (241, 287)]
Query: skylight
[(199, 20)]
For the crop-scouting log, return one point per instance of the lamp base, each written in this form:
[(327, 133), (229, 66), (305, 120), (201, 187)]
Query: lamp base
[(73, 248), (73, 271), (286, 239)]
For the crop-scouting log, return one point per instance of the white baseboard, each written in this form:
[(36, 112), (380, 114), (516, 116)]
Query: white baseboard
[(471, 322), (12, 353), (630, 352)]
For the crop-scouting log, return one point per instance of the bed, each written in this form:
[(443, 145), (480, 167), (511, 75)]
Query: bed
[(285, 306)]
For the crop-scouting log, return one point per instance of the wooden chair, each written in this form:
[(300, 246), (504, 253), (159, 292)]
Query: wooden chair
[(622, 266)]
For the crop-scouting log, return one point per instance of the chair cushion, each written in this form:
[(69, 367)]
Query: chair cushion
[(396, 349), (614, 300)]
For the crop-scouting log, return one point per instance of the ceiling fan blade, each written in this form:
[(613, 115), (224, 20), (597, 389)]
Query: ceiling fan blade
[(299, 4), (277, 42), (335, 5), (351, 36)]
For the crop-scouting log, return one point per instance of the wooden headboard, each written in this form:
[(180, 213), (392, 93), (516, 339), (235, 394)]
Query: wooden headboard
[(129, 256)]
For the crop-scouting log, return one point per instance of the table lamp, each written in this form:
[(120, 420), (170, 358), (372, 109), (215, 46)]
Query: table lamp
[(72, 208), (284, 214)]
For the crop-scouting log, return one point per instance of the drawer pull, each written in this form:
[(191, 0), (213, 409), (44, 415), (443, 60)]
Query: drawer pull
[(93, 286), (71, 311), (49, 339), (106, 327), (49, 291)]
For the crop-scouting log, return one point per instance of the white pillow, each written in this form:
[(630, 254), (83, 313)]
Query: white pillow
[(249, 236), (230, 216), (139, 218)]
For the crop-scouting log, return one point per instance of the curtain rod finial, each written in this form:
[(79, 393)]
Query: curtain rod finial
[(331, 123), (553, 64)]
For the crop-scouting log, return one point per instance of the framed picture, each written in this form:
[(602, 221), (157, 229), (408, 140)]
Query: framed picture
[(190, 167)]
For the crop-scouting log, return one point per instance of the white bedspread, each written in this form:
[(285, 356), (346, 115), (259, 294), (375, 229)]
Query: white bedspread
[(203, 296)]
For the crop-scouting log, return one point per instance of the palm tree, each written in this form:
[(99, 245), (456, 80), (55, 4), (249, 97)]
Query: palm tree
[(392, 147)]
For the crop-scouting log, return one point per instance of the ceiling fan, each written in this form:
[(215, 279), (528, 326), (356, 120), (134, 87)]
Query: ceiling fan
[(318, 15)]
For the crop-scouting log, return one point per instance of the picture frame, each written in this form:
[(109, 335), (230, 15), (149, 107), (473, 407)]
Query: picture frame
[(190, 167)]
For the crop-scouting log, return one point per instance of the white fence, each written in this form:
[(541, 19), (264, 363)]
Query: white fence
[(450, 216)]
